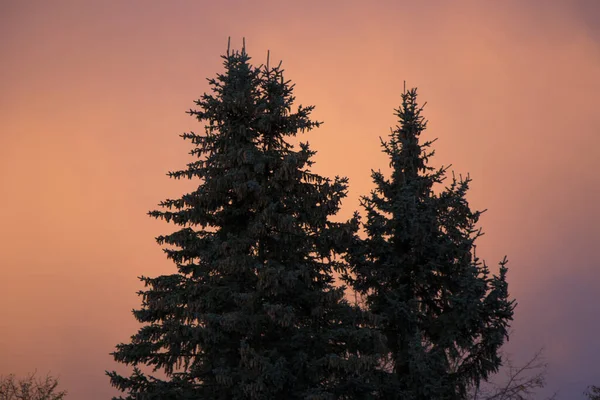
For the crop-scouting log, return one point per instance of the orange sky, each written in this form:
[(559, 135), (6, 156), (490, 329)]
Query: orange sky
[(92, 100)]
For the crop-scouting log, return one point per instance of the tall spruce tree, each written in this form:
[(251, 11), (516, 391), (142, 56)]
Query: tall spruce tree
[(252, 312), (444, 316)]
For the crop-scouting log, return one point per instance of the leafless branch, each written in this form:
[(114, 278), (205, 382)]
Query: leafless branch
[(520, 383), (30, 388)]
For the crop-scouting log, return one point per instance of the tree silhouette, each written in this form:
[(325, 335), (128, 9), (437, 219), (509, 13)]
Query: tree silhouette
[(443, 315), (252, 312), (30, 388)]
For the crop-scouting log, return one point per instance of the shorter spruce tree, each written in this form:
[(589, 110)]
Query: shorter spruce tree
[(443, 314)]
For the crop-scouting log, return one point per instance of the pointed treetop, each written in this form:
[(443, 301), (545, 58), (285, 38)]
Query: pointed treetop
[(243, 53), (268, 53)]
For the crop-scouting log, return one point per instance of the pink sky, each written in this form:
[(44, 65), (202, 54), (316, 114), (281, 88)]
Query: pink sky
[(92, 100)]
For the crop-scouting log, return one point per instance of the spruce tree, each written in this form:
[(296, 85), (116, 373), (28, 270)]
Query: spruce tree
[(443, 314), (252, 311)]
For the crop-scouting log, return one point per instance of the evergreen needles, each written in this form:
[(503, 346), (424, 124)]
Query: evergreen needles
[(443, 315), (252, 311)]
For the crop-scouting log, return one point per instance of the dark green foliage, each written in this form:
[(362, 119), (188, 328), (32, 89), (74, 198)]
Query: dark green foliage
[(445, 317), (252, 312)]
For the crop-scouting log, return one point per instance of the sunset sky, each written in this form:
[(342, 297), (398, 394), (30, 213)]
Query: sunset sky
[(93, 97)]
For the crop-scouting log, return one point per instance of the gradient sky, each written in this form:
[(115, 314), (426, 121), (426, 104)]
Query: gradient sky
[(92, 100)]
